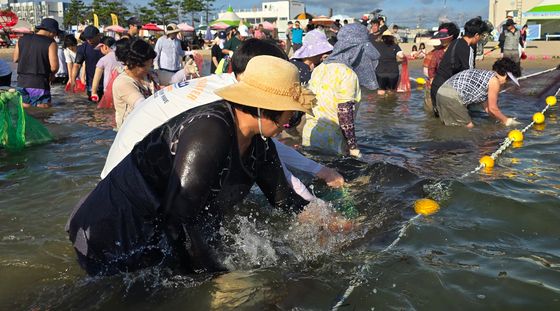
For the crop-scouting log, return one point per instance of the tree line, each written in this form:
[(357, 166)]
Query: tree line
[(157, 11)]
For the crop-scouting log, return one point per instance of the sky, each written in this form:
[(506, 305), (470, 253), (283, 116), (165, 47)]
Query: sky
[(402, 12)]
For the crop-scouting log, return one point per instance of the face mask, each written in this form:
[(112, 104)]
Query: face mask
[(57, 40), (260, 124)]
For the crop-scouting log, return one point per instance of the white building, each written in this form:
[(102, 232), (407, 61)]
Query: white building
[(278, 11), (498, 10), (34, 12)]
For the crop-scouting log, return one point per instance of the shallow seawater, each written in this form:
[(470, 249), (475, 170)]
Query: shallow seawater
[(495, 243)]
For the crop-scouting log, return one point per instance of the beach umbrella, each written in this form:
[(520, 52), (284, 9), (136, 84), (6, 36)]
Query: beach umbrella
[(303, 15), (151, 27), (322, 20), (219, 26), (268, 26), (115, 28), (22, 27), (201, 27), (186, 27)]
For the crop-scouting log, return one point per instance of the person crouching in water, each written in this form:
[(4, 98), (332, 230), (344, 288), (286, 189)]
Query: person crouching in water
[(473, 86), (163, 203)]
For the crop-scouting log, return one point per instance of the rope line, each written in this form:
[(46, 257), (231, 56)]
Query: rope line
[(360, 276)]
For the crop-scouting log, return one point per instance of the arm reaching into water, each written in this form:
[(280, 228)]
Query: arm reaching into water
[(294, 159), (346, 122), (201, 154)]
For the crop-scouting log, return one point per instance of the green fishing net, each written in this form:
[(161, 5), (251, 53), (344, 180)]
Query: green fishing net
[(342, 202), (17, 129)]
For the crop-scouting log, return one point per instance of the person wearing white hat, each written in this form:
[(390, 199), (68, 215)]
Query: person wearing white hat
[(169, 54), (473, 86), (315, 47), (238, 35)]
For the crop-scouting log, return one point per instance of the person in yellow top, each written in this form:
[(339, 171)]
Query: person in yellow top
[(336, 84)]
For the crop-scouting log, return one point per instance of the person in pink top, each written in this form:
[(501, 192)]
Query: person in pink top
[(105, 65)]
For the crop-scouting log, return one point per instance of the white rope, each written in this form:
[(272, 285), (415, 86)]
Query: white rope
[(358, 280)]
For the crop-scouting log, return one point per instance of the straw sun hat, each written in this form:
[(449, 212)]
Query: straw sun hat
[(270, 83)]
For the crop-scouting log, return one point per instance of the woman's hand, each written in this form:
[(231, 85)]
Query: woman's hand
[(331, 177), (325, 217)]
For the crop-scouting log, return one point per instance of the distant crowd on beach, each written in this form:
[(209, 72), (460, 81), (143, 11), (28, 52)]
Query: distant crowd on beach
[(189, 147)]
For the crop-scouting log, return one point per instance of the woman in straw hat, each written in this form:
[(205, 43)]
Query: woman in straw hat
[(336, 83), (174, 185)]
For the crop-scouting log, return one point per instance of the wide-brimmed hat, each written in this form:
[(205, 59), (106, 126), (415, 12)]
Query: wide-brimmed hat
[(50, 25), (270, 83), (314, 43), (172, 28), (387, 33)]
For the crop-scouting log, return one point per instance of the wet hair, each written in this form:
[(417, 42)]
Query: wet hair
[(414, 48), (69, 41), (476, 26), (265, 113), (505, 65), (422, 46), (136, 53), (374, 21), (251, 48), (452, 29), (121, 49)]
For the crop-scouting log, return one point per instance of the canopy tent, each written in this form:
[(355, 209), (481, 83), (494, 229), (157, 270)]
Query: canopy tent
[(304, 15), (151, 27), (548, 9), (219, 26), (186, 27), (547, 15), (115, 28), (322, 20), (229, 17)]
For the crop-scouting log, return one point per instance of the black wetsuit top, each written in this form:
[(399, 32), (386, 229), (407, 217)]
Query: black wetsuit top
[(174, 185)]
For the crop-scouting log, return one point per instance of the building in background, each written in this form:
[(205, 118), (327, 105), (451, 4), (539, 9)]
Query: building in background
[(278, 11), (498, 10), (34, 11)]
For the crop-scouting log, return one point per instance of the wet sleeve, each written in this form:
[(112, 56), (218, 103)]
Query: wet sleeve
[(202, 153), (346, 122), (273, 183), (294, 159)]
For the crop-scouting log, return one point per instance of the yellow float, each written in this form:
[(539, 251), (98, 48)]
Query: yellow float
[(487, 161), (515, 135), (538, 118), (426, 207), (551, 100)]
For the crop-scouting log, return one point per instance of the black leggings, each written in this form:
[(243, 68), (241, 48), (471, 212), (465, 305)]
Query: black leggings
[(387, 81), (6, 80)]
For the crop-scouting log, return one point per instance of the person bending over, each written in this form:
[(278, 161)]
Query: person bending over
[(165, 201), (476, 86)]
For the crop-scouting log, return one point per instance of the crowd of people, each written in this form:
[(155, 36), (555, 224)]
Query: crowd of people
[(188, 147)]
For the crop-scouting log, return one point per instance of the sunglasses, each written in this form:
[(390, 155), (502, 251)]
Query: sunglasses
[(294, 121)]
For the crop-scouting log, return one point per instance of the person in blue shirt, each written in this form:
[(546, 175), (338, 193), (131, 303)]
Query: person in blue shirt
[(87, 54), (297, 36)]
